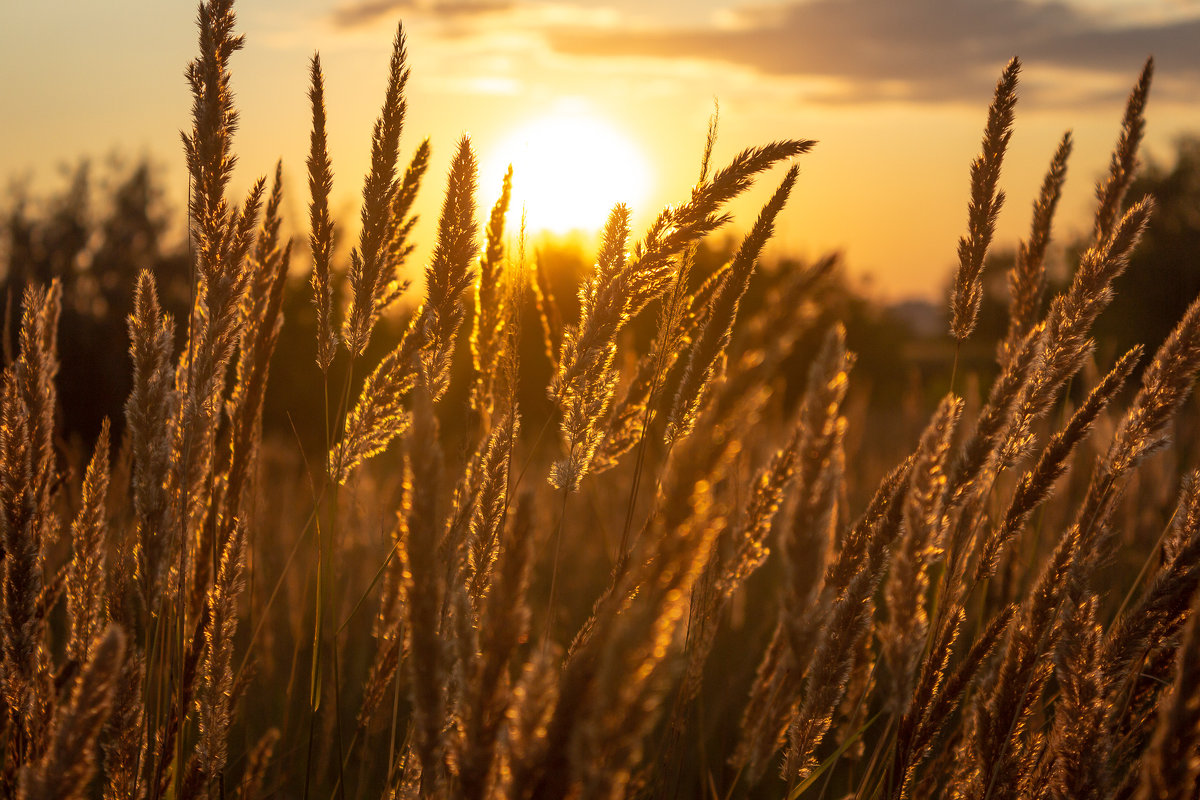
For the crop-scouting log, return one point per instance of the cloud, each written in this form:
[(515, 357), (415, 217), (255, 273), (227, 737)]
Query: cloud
[(366, 12), (931, 50)]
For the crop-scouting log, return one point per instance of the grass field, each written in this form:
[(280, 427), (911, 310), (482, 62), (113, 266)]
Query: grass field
[(588, 546)]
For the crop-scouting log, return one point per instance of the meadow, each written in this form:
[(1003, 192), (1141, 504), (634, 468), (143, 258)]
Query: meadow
[(537, 535)]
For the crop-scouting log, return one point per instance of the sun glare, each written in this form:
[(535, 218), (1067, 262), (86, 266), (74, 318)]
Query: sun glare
[(569, 169)]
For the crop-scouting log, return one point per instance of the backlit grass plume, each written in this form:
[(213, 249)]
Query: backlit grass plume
[(984, 207), (372, 271)]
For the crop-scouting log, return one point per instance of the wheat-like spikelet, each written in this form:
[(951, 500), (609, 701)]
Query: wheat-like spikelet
[(585, 379), (450, 272), (997, 752), (603, 309), (625, 425), (21, 568), (908, 580), (810, 538), (388, 653), (215, 696), (1070, 319), (1131, 726), (149, 414), (777, 685), (28, 522), (401, 221), (1027, 278), (976, 467), (321, 226), (164, 742), (69, 763), (504, 626), (677, 227), (424, 593), (86, 607), (837, 645), (370, 270), (678, 327), (454, 544), (223, 237), (201, 381), (1110, 191), (121, 739), (828, 675), (724, 574), (749, 537), (1037, 483), (224, 278), (1162, 608), (678, 321), (487, 517), (984, 206), (708, 349), (1171, 767), (37, 369), (379, 416), (700, 301), (262, 320), (916, 728), (1078, 744), (922, 723), (678, 318), (657, 372), (1166, 385), (621, 287), (214, 119), (487, 325), (400, 225)]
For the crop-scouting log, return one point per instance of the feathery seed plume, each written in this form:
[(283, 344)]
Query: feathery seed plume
[(984, 206)]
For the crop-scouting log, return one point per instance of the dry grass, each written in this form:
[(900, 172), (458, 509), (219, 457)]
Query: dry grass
[(687, 596)]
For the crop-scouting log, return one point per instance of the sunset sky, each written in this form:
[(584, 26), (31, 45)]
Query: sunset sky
[(896, 93)]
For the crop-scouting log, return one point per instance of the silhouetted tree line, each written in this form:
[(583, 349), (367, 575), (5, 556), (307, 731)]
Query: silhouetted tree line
[(94, 241)]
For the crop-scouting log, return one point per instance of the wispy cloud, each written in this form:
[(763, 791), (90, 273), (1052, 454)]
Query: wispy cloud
[(366, 12), (926, 50), (851, 51)]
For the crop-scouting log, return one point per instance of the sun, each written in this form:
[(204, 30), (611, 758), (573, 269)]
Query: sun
[(569, 169)]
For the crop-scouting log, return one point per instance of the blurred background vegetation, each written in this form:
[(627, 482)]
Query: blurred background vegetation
[(100, 226)]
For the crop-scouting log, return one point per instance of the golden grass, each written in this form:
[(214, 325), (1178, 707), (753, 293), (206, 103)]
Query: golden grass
[(476, 612)]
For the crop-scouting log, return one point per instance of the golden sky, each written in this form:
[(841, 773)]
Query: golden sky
[(896, 91)]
